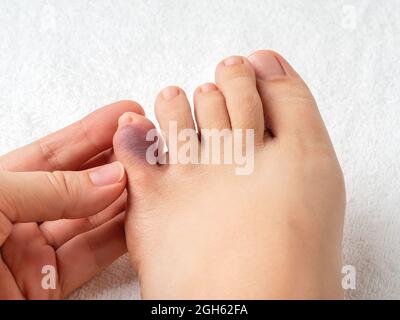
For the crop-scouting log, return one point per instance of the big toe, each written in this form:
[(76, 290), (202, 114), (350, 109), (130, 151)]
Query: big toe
[(288, 104)]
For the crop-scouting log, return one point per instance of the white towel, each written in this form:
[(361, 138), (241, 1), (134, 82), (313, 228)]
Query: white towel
[(61, 59)]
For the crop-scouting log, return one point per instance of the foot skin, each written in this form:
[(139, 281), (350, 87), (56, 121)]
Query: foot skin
[(202, 231)]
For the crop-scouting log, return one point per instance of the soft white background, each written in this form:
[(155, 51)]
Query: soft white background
[(61, 59)]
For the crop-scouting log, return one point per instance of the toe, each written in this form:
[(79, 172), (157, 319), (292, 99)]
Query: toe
[(210, 108), (236, 79), (136, 145), (289, 106), (173, 111)]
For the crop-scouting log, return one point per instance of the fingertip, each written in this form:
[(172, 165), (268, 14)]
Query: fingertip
[(131, 106)]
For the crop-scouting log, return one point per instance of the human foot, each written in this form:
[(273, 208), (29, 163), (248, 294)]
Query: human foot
[(202, 231)]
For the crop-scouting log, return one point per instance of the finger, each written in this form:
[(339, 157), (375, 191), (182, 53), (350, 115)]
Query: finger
[(8, 287), (83, 257), (59, 232), (26, 253), (40, 196), (72, 146)]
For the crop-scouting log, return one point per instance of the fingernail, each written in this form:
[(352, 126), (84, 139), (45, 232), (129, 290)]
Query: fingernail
[(170, 92), (125, 119), (108, 174), (266, 66), (208, 87), (233, 60)]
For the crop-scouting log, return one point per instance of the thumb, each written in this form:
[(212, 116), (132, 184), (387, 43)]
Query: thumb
[(40, 196)]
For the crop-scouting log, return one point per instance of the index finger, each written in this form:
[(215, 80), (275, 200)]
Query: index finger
[(72, 146)]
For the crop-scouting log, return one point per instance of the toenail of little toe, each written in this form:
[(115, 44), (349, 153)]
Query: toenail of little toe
[(125, 119), (266, 65), (233, 60), (170, 93), (208, 87)]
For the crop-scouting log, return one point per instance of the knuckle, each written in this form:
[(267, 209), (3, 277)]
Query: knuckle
[(48, 154), (62, 186), (93, 221)]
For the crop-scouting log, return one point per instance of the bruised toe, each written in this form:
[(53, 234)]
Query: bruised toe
[(136, 144)]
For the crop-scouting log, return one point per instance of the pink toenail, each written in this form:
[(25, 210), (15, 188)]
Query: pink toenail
[(208, 87), (170, 93), (233, 60), (125, 119), (266, 65)]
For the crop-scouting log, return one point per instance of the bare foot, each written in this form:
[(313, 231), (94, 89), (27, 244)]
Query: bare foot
[(204, 231)]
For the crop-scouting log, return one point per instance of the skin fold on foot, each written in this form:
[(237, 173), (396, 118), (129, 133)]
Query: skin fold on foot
[(201, 231)]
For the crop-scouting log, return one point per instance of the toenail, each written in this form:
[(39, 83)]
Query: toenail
[(170, 92), (125, 119), (266, 66), (208, 87), (233, 60)]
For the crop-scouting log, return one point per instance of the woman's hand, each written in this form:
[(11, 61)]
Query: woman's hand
[(56, 216)]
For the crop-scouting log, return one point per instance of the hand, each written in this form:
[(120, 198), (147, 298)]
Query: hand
[(70, 220)]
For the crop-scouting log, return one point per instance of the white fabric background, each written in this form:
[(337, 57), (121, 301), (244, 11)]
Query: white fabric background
[(61, 59)]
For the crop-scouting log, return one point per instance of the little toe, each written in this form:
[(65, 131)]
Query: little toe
[(136, 145), (289, 106)]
